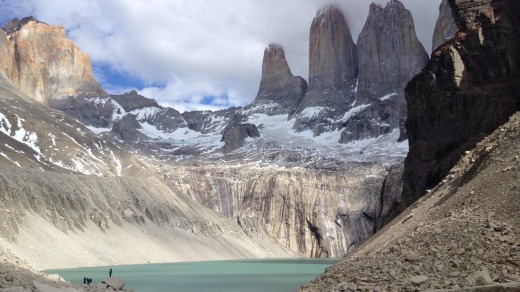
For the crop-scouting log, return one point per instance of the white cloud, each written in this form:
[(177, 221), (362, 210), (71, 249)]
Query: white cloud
[(184, 50)]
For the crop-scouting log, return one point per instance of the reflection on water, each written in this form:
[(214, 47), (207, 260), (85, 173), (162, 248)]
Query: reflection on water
[(238, 275)]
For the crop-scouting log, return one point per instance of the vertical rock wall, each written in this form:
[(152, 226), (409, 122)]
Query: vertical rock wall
[(389, 52), (313, 212), (469, 88), (332, 61), (280, 92), (47, 64), (445, 27)]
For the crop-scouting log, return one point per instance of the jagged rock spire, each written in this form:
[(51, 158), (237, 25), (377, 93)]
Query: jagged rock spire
[(445, 27), (332, 73), (280, 91), (390, 53)]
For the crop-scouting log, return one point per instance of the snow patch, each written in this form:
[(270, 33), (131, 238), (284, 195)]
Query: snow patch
[(311, 112), (388, 96), (353, 111), (15, 162), (145, 113), (98, 131)]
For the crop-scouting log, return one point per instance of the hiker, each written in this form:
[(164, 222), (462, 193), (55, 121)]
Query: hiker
[(84, 280), (110, 273), (89, 280)]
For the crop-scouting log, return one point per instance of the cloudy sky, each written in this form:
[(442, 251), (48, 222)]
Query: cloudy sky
[(195, 54)]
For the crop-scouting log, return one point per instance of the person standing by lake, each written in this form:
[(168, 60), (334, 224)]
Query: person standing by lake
[(110, 272)]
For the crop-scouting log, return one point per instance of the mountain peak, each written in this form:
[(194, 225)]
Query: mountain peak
[(16, 24), (280, 91), (53, 67)]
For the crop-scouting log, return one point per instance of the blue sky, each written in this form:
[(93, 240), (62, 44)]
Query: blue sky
[(195, 54)]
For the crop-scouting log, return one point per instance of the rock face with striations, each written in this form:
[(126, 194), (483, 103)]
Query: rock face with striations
[(389, 52), (48, 65), (313, 212), (445, 28), (332, 69), (469, 88), (280, 92)]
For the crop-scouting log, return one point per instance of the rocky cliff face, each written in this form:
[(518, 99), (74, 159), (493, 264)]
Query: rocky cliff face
[(445, 27), (7, 57), (467, 90), (332, 69), (313, 212), (389, 55), (332, 60), (280, 92), (235, 134), (389, 52), (47, 64)]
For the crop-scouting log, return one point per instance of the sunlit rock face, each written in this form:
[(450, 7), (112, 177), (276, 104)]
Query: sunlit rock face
[(445, 27), (469, 88), (47, 64), (280, 92), (313, 212)]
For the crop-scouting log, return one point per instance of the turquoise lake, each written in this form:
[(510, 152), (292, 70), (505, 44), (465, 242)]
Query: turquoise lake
[(238, 275)]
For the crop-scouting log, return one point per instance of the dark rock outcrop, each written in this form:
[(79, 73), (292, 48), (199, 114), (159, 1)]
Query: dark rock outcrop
[(132, 100), (332, 69), (147, 110), (209, 121), (126, 128), (391, 196), (280, 92), (234, 135), (374, 121), (96, 112), (445, 28), (469, 88)]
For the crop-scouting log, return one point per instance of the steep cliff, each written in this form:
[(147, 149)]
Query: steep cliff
[(467, 90), (445, 27), (332, 69), (389, 53), (280, 92), (47, 64), (7, 57), (310, 211)]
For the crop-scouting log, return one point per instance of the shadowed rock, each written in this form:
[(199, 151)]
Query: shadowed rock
[(389, 52), (126, 128), (445, 28), (468, 89), (234, 135)]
